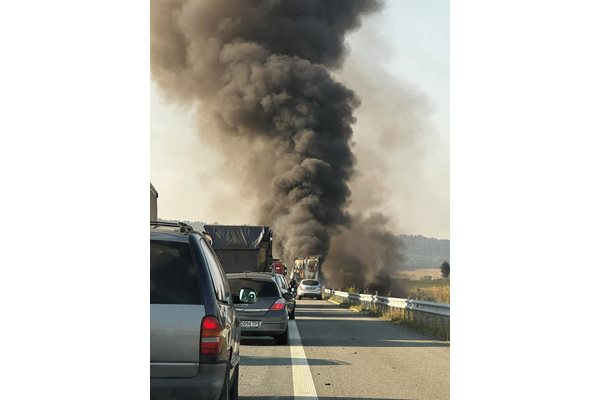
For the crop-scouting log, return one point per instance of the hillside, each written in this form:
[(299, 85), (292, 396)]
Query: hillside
[(423, 252)]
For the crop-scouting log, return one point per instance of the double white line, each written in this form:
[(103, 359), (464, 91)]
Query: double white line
[(304, 387)]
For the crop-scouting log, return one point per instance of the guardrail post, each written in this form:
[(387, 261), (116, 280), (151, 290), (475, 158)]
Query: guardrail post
[(374, 305)]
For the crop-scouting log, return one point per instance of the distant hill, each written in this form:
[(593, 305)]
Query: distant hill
[(423, 252)]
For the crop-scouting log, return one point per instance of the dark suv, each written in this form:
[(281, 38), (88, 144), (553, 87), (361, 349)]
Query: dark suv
[(194, 328)]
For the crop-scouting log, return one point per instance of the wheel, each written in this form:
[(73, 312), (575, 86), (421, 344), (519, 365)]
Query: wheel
[(233, 390), (283, 338)]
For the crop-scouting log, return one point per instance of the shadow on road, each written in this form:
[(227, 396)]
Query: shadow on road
[(326, 324), (332, 314), (317, 304), (258, 341), (264, 361), (320, 398)]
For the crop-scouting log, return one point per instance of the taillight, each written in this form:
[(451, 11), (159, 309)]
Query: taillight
[(278, 305), (210, 336)]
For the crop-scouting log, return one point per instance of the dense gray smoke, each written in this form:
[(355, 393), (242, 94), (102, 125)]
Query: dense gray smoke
[(364, 255), (261, 72), (260, 67)]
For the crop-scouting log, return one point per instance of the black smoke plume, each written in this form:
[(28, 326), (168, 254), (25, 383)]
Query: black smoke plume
[(261, 72), (363, 256)]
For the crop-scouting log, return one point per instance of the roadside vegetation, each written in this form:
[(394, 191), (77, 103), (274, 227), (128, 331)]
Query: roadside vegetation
[(437, 290), (429, 324)]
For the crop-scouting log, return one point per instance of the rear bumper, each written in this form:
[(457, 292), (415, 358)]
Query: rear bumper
[(313, 293), (272, 323), (266, 330), (206, 385)]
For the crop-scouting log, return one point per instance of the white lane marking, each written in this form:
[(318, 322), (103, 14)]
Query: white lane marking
[(304, 387)]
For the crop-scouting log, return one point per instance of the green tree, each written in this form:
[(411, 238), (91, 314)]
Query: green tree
[(445, 268)]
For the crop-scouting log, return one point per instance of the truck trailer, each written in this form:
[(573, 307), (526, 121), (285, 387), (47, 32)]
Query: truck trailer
[(242, 248), (306, 268)]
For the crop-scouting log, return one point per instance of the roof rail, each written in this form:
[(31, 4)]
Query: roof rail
[(207, 237), (183, 227)]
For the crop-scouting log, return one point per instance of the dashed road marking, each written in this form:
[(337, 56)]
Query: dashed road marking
[(304, 387)]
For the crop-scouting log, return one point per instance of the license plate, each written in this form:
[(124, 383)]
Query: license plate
[(249, 324)]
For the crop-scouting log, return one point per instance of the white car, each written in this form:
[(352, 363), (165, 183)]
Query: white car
[(310, 288)]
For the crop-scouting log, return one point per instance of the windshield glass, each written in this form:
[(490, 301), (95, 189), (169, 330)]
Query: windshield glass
[(310, 282), (173, 274), (262, 288)]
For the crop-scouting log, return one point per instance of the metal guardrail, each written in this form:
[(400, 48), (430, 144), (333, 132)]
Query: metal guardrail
[(418, 305)]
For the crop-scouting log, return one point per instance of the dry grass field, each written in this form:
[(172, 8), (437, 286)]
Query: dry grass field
[(417, 274), (418, 286), (438, 293)]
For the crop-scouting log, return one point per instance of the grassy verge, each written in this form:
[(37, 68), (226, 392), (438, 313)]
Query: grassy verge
[(437, 290), (430, 324)]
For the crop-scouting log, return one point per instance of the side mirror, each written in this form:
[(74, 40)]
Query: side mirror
[(288, 296), (248, 296)]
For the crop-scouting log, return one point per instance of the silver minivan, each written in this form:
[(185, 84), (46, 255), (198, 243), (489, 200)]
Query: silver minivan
[(194, 328)]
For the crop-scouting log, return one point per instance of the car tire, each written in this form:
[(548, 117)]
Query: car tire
[(234, 389), (282, 339)]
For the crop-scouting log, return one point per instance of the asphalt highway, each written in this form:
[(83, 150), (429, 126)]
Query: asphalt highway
[(335, 353)]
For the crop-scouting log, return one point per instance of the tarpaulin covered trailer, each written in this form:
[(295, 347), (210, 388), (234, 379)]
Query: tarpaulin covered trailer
[(242, 247)]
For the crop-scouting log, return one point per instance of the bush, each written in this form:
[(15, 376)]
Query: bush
[(445, 269), (352, 289)]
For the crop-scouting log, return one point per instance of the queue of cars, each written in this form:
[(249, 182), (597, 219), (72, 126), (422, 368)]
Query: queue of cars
[(198, 314)]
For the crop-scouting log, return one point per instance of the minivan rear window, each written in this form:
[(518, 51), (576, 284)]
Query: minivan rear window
[(262, 288), (310, 282), (173, 274)]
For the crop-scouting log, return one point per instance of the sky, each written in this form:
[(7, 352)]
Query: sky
[(398, 64)]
